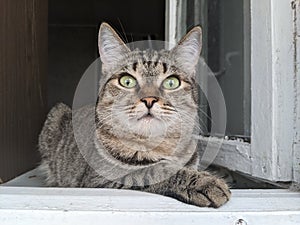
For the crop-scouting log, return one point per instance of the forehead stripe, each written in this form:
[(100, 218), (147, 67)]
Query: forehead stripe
[(134, 65), (165, 67)]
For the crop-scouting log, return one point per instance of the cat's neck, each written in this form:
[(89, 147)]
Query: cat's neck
[(133, 148)]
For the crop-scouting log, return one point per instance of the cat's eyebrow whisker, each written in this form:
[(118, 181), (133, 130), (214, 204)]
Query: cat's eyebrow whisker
[(123, 30), (132, 41)]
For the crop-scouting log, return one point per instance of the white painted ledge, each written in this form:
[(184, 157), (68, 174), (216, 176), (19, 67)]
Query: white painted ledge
[(32, 178), (77, 206)]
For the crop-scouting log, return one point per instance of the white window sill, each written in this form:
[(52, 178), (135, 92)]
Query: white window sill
[(22, 204)]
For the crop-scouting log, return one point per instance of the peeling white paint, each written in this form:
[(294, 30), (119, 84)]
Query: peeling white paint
[(272, 82), (273, 76), (275, 94), (76, 206), (234, 155), (296, 147)]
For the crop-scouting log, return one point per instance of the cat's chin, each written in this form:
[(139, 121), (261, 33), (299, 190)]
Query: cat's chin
[(147, 118), (148, 126)]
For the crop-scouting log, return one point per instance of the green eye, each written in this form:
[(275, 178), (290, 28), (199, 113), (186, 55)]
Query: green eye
[(128, 81), (171, 83)]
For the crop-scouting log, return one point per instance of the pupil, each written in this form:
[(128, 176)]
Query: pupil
[(171, 83), (127, 82)]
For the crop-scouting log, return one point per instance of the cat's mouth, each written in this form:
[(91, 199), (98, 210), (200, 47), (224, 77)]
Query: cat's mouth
[(147, 117)]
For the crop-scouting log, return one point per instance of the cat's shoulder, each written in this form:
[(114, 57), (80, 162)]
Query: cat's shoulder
[(58, 116), (57, 122), (59, 113)]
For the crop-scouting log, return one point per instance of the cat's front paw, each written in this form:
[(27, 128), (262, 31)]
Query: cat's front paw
[(207, 190)]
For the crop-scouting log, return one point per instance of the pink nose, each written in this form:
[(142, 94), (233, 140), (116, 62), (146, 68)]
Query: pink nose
[(149, 101)]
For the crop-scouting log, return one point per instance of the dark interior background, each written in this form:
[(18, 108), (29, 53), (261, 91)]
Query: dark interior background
[(45, 47), (23, 78), (73, 30)]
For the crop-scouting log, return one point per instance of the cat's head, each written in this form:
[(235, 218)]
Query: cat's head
[(147, 93)]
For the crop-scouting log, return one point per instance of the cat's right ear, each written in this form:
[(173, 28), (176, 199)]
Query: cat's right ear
[(111, 47), (187, 52)]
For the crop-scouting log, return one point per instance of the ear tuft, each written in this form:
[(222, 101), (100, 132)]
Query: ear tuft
[(188, 49), (111, 47)]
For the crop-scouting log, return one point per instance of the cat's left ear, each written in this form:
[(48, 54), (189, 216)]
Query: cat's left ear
[(111, 47), (188, 49)]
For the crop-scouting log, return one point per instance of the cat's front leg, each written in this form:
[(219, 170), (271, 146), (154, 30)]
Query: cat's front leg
[(194, 187)]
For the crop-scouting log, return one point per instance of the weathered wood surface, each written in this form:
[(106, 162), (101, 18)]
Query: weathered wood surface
[(23, 70)]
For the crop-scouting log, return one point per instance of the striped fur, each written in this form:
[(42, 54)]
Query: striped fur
[(121, 146)]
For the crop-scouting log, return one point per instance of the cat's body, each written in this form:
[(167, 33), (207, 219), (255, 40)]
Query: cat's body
[(144, 120)]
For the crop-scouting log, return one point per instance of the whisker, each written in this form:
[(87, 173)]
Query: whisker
[(170, 109), (167, 113), (187, 118), (202, 123), (205, 114), (123, 30)]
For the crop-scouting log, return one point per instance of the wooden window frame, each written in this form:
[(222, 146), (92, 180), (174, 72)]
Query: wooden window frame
[(274, 151)]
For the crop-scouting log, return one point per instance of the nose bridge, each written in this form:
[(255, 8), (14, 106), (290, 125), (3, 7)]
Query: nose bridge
[(149, 88), (149, 93)]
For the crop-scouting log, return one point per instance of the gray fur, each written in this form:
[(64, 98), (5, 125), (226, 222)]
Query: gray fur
[(112, 145)]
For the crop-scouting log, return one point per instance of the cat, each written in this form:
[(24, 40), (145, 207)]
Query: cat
[(145, 117)]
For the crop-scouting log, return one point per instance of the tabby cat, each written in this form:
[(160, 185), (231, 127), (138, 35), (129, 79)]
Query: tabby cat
[(145, 118)]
